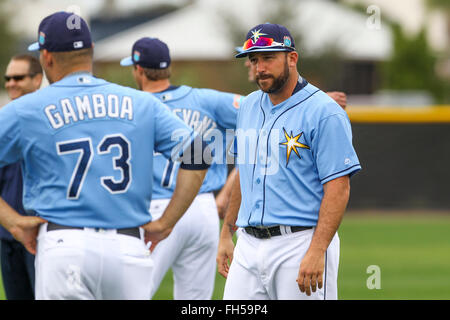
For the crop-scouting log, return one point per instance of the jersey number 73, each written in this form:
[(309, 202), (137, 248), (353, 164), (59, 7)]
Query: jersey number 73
[(85, 149)]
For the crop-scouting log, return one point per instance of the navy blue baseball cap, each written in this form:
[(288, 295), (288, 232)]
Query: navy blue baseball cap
[(148, 53), (267, 37), (62, 31)]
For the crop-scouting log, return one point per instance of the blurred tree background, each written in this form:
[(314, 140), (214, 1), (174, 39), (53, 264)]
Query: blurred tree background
[(413, 66), (323, 69), (8, 38), (443, 61), (229, 75)]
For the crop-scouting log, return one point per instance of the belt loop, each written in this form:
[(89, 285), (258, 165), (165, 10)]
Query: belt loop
[(268, 232)]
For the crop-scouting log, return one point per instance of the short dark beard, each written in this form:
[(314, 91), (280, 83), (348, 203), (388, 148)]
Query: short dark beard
[(278, 83)]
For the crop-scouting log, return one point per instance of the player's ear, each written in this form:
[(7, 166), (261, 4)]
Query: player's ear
[(47, 57), (292, 58), (140, 70)]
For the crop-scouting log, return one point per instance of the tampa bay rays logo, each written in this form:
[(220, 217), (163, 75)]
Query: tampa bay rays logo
[(256, 34), (287, 41), (41, 37), (292, 144), (136, 55)]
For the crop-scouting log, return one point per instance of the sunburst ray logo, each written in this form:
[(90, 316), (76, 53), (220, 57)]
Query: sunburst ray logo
[(256, 34), (292, 144)]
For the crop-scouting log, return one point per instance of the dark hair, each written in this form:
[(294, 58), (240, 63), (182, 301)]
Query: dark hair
[(157, 74), (34, 65)]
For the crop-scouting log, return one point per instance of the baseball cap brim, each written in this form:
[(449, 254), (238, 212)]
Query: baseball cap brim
[(34, 46), (244, 53), (128, 61)]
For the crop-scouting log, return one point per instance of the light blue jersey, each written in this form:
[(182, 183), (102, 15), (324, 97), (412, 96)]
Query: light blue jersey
[(87, 147), (208, 112), (285, 153)]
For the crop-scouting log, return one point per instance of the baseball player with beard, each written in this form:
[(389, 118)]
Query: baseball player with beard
[(294, 158), (87, 150), (192, 246), (338, 96)]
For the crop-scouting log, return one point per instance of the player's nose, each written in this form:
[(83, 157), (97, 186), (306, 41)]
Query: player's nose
[(260, 67)]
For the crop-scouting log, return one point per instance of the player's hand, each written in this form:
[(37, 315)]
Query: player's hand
[(225, 249), (310, 275), (224, 256), (25, 230), (339, 97), (155, 231)]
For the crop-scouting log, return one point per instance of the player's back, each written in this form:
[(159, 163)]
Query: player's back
[(209, 113), (88, 147)]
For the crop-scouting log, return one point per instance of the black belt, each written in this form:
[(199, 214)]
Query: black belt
[(267, 232), (133, 232)]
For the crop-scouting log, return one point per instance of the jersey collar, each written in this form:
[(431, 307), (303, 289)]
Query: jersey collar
[(173, 93), (79, 78), (301, 83), (297, 95)]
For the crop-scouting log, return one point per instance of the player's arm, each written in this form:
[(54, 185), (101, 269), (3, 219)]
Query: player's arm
[(225, 106), (223, 197), (187, 186), (23, 228), (226, 245), (334, 203), (193, 167), (339, 97)]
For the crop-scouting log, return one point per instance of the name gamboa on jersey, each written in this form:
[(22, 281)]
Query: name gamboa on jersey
[(88, 149), (207, 112)]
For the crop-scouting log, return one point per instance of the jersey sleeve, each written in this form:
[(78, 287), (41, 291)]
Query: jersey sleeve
[(172, 135), (333, 150), (9, 135), (226, 106)]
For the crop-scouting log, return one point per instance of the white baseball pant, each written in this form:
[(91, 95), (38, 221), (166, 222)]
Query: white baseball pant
[(92, 264), (267, 269), (190, 250)]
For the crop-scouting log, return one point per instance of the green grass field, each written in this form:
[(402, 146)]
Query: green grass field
[(412, 252)]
